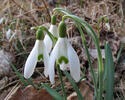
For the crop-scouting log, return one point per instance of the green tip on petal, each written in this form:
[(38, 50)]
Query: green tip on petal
[(53, 20), (63, 58), (62, 29), (40, 57), (39, 34)]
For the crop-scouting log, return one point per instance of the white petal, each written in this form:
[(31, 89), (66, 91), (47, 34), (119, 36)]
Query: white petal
[(62, 51), (52, 60), (48, 43), (108, 26), (64, 66), (74, 63), (46, 60), (8, 34), (40, 48), (2, 19), (31, 61), (62, 47), (54, 30)]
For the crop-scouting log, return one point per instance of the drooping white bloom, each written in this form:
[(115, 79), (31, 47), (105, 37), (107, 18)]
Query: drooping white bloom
[(62, 52), (38, 51), (108, 26), (48, 42), (2, 20), (8, 34)]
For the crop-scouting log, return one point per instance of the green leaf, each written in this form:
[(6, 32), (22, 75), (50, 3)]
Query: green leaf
[(31, 83), (52, 92), (53, 38), (62, 10), (109, 73), (19, 75), (80, 97), (95, 38), (119, 52), (94, 77), (61, 81)]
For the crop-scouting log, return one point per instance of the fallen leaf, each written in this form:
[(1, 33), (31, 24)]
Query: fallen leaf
[(85, 90), (29, 93)]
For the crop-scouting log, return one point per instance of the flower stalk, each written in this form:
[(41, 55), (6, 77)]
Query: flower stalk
[(95, 38), (61, 81)]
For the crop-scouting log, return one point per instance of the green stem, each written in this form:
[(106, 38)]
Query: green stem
[(54, 39), (89, 60), (95, 38), (61, 81)]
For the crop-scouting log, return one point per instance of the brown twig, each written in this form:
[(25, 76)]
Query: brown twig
[(36, 22), (45, 4)]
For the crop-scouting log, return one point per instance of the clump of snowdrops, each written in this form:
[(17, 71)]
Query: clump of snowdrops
[(53, 48)]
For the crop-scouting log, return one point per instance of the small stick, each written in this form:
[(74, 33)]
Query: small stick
[(45, 4), (26, 11)]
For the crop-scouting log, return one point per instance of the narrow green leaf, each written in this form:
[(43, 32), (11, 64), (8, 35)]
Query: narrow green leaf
[(94, 77), (61, 81), (109, 73), (80, 97), (119, 52), (52, 92), (19, 75), (62, 10), (95, 38), (31, 83), (53, 38)]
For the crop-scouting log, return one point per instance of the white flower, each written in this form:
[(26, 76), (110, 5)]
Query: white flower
[(64, 53), (8, 34), (39, 50), (2, 20), (108, 26), (48, 42)]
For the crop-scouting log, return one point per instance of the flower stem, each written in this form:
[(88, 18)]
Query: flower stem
[(61, 81)]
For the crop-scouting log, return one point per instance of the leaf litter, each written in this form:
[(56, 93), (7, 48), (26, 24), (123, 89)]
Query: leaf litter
[(33, 13)]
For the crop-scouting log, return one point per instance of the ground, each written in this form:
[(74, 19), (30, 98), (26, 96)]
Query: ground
[(21, 15)]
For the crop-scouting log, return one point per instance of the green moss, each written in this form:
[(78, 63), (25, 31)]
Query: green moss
[(63, 58)]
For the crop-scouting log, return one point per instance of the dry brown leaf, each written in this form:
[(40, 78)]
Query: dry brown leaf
[(29, 93), (85, 90)]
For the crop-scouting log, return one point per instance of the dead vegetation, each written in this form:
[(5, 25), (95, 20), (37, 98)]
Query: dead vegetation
[(21, 15)]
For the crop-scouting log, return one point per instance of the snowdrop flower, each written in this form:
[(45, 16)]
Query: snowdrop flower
[(2, 20), (8, 33), (54, 30), (106, 19), (65, 55), (38, 52), (108, 26)]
